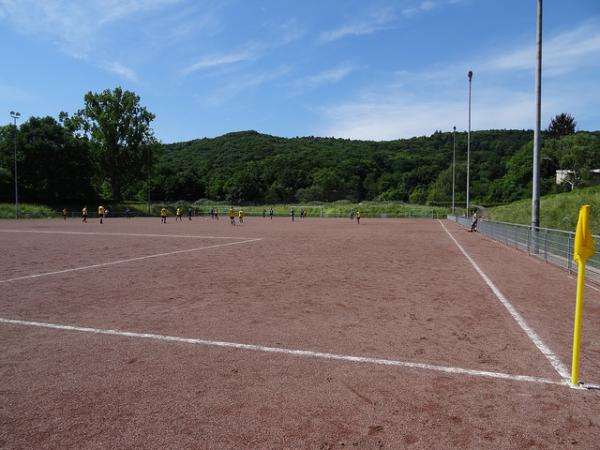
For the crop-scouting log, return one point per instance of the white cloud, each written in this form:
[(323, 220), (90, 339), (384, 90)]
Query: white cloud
[(418, 103), (239, 85), (213, 61), (74, 26), (377, 22), (561, 54), (402, 115), (329, 76), (122, 71), (383, 20)]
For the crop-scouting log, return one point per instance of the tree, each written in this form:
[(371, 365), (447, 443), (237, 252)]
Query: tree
[(118, 128), (561, 125), (55, 167)]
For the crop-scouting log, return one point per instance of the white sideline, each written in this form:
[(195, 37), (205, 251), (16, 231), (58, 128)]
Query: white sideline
[(542, 347), (122, 261), (100, 233), (286, 351)]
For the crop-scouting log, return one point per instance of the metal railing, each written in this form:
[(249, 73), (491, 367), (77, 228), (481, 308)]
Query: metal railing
[(553, 246)]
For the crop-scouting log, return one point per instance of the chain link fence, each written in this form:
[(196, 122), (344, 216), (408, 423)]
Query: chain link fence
[(553, 246)]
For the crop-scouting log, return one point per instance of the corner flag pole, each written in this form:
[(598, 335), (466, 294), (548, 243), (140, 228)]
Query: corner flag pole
[(584, 249)]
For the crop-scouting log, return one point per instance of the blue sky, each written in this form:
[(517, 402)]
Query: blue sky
[(355, 69)]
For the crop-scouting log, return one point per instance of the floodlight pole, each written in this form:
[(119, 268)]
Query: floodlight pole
[(470, 75), (537, 144), (453, 165), (16, 115)]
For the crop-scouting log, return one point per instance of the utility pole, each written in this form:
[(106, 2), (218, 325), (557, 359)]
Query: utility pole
[(15, 116), (537, 144), (470, 75)]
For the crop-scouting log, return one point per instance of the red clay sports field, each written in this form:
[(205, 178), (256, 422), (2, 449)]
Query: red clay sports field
[(315, 334)]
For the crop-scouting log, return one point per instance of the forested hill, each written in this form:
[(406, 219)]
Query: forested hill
[(252, 167)]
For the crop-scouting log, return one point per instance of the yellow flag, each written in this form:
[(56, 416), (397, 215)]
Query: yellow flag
[(584, 243)]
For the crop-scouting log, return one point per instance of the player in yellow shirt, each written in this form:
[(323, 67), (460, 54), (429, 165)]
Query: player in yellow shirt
[(84, 214), (358, 217), (241, 215), (65, 214), (163, 215), (101, 212), (232, 215), (178, 214)]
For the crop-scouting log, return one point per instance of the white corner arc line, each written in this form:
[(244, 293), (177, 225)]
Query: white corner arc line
[(122, 261), (294, 352), (100, 233), (537, 341)]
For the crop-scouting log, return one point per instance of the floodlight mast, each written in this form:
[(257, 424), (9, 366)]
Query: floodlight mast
[(537, 138), (470, 75), (16, 115), (453, 166)]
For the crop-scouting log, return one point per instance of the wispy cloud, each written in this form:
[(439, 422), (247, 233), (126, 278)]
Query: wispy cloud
[(77, 27), (239, 85), (73, 25), (562, 53), (330, 76), (377, 22), (418, 103), (383, 20), (123, 71), (213, 61)]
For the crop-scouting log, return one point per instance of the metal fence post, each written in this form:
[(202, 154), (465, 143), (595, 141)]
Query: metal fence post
[(569, 263)]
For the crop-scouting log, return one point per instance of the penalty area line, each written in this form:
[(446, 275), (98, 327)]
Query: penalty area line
[(123, 261), (100, 233), (537, 341), (286, 351)]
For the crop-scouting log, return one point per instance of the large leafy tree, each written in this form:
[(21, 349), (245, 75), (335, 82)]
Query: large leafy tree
[(118, 128), (562, 125), (54, 166)]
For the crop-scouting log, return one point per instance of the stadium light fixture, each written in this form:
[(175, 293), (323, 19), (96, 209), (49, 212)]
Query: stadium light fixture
[(470, 75), (16, 115)]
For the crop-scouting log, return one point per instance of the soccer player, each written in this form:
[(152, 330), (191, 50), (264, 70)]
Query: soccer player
[(264, 213), (163, 215), (241, 215), (178, 213), (65, 214), (292, 213), (232, 215), (84, 214), (101, 212), (358, 217), (271, 213)]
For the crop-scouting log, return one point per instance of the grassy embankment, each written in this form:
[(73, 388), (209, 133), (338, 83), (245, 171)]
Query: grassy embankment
[(559, 211), (27, 210)]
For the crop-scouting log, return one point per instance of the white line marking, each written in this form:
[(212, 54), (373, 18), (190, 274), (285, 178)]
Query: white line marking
[(542, 347), (301, 353), (122, 261), (99, 233)]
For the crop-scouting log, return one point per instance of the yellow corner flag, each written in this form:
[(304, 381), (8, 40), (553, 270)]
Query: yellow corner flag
[(584, 243), (584, 249)]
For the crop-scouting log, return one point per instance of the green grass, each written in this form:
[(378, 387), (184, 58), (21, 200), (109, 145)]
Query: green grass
[(26, 210), (333, 209), (559, 211)]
